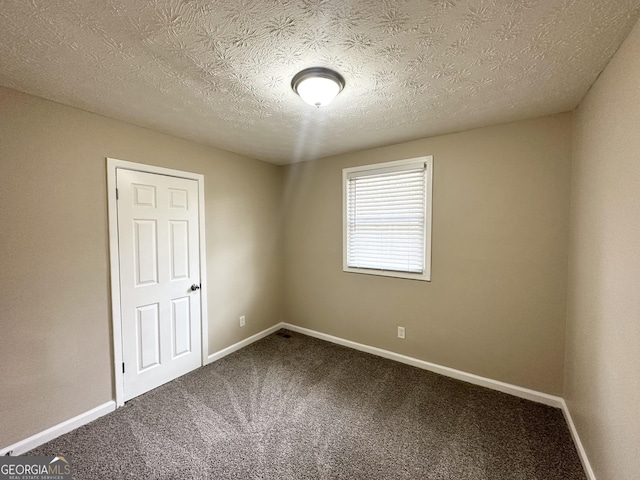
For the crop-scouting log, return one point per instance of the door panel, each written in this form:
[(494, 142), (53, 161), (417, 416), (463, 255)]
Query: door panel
[(159, 262), (178, 198), (148, 336), (181, 324), (179, 238), (146, 252)]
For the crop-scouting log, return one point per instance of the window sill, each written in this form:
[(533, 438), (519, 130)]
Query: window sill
[(388, 273)]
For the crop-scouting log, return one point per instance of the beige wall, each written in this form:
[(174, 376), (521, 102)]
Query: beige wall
[(55, 326), (497, 300), (602, 386)]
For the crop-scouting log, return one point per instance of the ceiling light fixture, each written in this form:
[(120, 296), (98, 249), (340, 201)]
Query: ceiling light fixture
[(317, 86)]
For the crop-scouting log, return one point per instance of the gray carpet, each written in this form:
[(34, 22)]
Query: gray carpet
[(302, 408)]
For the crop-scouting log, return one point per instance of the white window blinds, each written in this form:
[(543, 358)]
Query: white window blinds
[(385, 218)]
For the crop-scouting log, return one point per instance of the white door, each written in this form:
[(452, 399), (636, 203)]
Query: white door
[(159, 278)]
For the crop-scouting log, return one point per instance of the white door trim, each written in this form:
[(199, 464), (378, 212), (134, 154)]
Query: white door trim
[(114, 262)]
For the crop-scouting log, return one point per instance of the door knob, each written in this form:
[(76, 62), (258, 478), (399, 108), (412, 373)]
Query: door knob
[(195, 287)]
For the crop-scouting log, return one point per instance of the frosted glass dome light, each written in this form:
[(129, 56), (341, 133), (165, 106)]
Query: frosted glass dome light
[(317, 86)]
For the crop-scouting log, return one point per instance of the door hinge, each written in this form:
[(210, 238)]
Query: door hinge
[(117, 195), (122, 367)]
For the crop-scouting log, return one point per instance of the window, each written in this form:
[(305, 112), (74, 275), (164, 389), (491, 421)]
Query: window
[(387, 218)]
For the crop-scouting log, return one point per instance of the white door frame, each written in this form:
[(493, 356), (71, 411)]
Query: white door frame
[(116, 315)]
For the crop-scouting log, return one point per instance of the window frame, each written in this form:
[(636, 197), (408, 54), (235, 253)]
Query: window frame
[(428, 213)]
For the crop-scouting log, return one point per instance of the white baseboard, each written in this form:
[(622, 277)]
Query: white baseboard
[(38, 439), (23, 446), (247, 341), (49, 434), (526, 393), (586, 465), (515, 390)]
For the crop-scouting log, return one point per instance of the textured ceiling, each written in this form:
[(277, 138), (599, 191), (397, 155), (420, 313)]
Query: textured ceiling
[(219, 72)]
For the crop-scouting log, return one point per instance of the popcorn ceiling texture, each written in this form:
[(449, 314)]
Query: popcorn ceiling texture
[(219, 72)]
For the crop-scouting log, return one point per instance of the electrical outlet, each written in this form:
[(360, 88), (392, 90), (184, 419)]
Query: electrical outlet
[(242, 321), (400, 332)]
